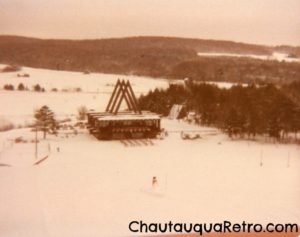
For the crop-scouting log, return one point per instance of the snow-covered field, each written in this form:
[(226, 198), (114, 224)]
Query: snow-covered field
[(275, 56), (95, 188), (64, 80), (96, 88)]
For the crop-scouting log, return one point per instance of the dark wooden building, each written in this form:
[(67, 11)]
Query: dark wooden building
[(132, 123)]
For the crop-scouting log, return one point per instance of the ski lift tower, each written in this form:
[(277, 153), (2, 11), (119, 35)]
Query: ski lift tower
[(131, 123)]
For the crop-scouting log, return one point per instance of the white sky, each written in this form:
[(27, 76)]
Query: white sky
[(270, 22)]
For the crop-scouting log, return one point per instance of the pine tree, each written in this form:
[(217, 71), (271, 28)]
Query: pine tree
[(37, 88), (45, 120), (231, 122), (21, 87)]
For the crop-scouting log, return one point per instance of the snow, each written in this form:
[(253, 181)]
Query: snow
[(222, 85), (89, 83), (175, 111), (131, 117), (95, 188), (275, 56), (226, 85), (96, 91)]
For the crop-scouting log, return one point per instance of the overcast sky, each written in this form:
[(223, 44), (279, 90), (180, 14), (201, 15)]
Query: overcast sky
[(269, 22)]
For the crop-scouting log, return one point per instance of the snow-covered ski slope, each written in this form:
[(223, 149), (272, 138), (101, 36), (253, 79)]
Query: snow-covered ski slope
[(95, 188)]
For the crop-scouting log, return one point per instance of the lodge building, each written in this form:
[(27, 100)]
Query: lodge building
[(132, 123)]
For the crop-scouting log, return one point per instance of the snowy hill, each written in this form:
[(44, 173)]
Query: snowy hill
[(86, 187), (93, 188)]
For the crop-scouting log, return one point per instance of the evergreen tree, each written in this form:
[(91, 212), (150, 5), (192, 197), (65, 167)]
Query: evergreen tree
[(232, 123), (8, 87), (21, 87), (239, 110), (45, 120), (37, 88)]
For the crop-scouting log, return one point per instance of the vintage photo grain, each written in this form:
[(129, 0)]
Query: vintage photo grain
[(149, 118)]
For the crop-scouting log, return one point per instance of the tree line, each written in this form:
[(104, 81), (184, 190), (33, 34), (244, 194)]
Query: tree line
[(238, 111), (22, 87), (164, 57)]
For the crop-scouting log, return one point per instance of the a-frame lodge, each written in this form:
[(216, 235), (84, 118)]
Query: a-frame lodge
[(132, 123)]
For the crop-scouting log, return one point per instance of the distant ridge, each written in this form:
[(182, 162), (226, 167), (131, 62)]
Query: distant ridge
[(167, 57)]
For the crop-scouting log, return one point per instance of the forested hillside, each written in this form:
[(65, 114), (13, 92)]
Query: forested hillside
[(166, 57), (239, 111)]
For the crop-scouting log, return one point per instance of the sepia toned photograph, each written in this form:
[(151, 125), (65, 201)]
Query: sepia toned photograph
[(176, 118)]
